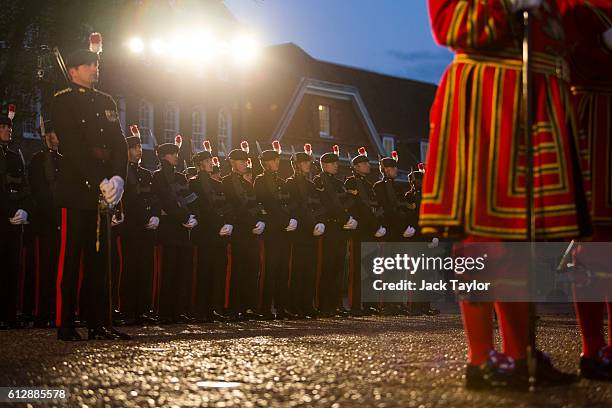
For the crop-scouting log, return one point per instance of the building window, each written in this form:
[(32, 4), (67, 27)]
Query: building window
[(171, 122), (324, 121), (146, 124), (31, 121), (198, 127), (424, 149), (224, 133), (388, 144)]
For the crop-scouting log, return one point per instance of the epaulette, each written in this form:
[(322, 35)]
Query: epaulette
[(63, 91)]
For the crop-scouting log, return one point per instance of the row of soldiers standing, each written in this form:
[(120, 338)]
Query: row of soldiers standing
[(230, 248), (236, 248)]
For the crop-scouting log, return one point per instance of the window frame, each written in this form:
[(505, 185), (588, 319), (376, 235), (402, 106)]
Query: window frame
[(326, 108)]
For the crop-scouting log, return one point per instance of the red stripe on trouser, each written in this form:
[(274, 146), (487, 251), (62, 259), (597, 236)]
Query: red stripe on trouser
[(290, 266), (194, 275), (120, 279), (36, 275), (60, 269), (228, 274), (262, 273), (351, 271), (319, 267)]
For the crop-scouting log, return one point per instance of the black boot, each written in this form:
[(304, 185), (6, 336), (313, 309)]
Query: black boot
[(596, 368), (220, 317), (120, 335), (68, 334), (101, 333)]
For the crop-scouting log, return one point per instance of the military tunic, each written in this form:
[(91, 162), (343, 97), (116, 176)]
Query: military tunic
[(93, 148)]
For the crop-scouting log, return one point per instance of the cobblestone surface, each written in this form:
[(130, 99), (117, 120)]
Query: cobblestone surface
[(369, 361)]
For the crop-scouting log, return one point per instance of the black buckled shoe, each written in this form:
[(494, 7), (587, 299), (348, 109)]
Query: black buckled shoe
[(68, 334), (498, 371), (597, 368), (101, 333)]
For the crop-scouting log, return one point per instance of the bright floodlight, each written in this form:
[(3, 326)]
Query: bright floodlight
[(136, 45), (202, 46), (245, 49), (159, 46)]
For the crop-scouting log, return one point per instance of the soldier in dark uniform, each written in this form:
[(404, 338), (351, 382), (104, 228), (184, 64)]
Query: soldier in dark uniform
[(178, 209), (14, 209), (42, 175), (310, 214), (281, 224), (212, 237), (93, 171), (142, 212), (248, 226), (413, 197), (366, 209), (338, 221)]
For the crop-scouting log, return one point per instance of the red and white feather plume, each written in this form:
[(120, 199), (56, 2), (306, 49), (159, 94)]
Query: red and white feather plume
[(11, 111), (394, 155), (207, 146), (362, 151), (244, 146), (308, 149), (134, 130), (336, 150), (421, 167), (95, 42), (215, 161), (276, 146), (178, 140)]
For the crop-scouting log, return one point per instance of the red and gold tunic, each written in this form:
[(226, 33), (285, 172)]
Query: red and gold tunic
[(475, 180), (591, 87)]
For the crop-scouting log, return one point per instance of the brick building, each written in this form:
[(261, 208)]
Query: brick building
[(286, 95)]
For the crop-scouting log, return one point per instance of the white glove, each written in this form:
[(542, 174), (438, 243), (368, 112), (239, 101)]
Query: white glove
[(116, 221), (292, 225), (434, 243), (191, 222), (259, 228), (351, 224), (319, 229), (226, 230), (607, 38), (20, 218), (520, 5), (112, 189), (409, 232), (381, 232), (153, 223)]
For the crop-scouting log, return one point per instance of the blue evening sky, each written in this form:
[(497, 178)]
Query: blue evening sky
[(388, 36)]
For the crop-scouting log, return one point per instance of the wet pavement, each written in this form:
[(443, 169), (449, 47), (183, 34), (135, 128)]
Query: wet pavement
[(367, 361)]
